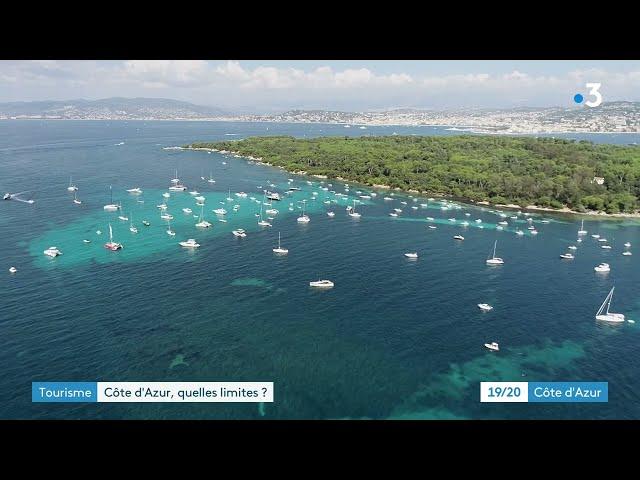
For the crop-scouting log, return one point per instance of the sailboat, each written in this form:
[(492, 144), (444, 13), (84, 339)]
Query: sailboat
[(605, 315), (202, 223), (261, 222), (75, 199), (582, 231), (169, 231), (280, 250), (72, 187), (132, 229), (210, 180), (353, 212), (304, 218), (111, 207), (176, 186), (495, 260), (229, 198), (111, 245)]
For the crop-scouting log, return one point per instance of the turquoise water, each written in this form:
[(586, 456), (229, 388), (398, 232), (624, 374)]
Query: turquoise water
[(395, 338)]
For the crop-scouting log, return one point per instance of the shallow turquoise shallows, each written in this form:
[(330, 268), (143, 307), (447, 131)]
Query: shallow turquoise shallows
[(395, 338)]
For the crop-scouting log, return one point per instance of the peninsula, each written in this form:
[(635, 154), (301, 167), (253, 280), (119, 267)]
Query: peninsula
[(543, 173)]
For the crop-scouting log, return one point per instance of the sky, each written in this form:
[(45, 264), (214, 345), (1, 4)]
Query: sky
[(251, 86)]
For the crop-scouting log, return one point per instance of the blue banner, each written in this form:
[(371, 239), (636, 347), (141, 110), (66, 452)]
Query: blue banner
[(64, 392), (568, 392)]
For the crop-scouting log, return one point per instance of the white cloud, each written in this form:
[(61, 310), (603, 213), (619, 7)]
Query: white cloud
[(232, 83)]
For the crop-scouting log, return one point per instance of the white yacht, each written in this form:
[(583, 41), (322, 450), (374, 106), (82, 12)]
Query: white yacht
[(124, 218), (458, 237), (280, 250), (603, 267), (75, 199), (331, 214), (627, 244), (595, 235), (493, 346), (464, 223), (452, 219), (411, 255), (239, 233), (519, 232), (229, 197), (166, 194), (627, 253), (582, 231), (241, 195), (606, 247), (166, 216), (430, 219), (432, 227), (493, 260), (397, 210), (52, 252), (270, 211), (13, 269), (478, 220), (603, 312), (111, 207), (567, 256), (191, 243), (72, 187), (188, 211), (393, 214), (387, 198), (135, 191), (485, 307), (220, 211), (572, 247), (321, 284), (210, 179), (503, 223), (602, 239), (194, 192)]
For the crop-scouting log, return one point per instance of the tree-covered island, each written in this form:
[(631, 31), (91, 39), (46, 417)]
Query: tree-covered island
[(545, 172)]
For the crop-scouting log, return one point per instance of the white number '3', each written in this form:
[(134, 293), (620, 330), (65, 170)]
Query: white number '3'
[(594, 91)]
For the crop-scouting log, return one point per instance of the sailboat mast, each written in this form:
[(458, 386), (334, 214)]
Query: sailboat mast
[(610, 297), (110, 234), (110, 195), (278, 239), (494, 248)]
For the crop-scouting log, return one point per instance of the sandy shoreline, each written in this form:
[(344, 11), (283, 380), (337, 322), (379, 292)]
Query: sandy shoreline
[(535, 208)]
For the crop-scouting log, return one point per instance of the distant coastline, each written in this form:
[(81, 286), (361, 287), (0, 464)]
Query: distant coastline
[(468, 129), (536, 208)]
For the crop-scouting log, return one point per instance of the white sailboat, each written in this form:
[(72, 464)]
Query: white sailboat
[(202, 223), (582, 231), (353, 212), (603, 312), (72, 187), (191, 243), (210, 180), (111, 207), (304, 218), (262, 222), (132, 229), (75, 199), (495, 260), (229, 197), (169, 231), (280, 250)]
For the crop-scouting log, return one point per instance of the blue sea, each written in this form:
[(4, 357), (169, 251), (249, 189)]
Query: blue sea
[(396, 338)]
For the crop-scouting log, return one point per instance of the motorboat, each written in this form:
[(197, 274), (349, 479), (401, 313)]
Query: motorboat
[(411, 255), (485, 307), (52, 252), (567, 256), (135, 191), (191, 243), (606, 247), (239, 233), (188, 211), (493, 346), (393, 214), (72, 187), (13, 269), (458, 237), (603, 267), (146, 223), (322, 284), (220, 211), (331, 214), (572, 247)]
